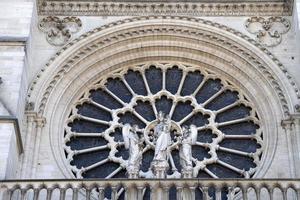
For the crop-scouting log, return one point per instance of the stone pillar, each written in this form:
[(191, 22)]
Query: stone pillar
[(292, 128), (29, 145), (292, 131), (40, 122), (159, 192), (297, 142), (133, 192), (35, 125)]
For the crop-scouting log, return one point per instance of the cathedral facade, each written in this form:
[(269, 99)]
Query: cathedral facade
[(149, 99)]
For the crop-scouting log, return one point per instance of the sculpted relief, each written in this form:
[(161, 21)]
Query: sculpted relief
[(160, 137), (268, 31)]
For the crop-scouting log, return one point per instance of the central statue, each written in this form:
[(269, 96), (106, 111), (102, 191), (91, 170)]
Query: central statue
[(158, 136), (163, 141)]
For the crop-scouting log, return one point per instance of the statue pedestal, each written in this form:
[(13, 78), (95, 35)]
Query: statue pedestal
[(187, 173), (160, 168), (133, 172)]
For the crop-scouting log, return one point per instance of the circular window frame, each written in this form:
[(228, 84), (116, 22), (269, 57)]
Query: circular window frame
[(141, 69), (68, 74), (58, 149)]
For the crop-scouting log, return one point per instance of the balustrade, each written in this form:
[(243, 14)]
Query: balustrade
[(179, 189)]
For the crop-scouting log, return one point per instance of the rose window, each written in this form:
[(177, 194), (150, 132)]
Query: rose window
[(228, 132)]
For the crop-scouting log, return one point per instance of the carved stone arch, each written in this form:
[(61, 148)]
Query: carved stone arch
[(190, 41)]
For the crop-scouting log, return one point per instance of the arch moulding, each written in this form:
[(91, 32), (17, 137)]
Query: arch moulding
[(136, 41)]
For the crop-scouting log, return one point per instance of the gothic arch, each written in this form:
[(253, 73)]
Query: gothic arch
[(191, 41)]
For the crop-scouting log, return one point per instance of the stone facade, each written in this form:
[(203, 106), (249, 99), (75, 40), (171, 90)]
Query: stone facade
[(15, 21), (40, 82)]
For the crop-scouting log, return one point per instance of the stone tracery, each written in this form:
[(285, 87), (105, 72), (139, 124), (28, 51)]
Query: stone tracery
[(73, 56), (188, 96), (71, 73)]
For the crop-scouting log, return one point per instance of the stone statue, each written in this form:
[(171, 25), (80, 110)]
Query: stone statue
[(163, 141), (161, 123), (189, 137), (134, 144)]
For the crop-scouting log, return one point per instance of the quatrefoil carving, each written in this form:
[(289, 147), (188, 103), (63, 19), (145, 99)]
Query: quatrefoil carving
[(59, 31), (268, 31)]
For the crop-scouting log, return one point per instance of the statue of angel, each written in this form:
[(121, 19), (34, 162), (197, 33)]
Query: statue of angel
[(189, 138), (134, 144)]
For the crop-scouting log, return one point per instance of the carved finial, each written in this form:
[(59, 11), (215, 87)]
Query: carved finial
[(59, 30)]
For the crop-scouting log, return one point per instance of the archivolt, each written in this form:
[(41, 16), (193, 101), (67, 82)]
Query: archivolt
[(207, 37), (190, 41)]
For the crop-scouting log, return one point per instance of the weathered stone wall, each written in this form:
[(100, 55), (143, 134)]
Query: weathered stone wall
[(15, 21)]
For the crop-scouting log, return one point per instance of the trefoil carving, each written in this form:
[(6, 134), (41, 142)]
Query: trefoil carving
[(59, 30), (268, 31)]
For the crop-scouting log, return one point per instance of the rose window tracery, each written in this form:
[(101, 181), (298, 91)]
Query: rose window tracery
[(229, 136)]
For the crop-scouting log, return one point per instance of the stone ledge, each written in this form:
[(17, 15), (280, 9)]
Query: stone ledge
[(15, 122), (191, 8)]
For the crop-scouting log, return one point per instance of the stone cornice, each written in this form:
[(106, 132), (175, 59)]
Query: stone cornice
[(192, 8)]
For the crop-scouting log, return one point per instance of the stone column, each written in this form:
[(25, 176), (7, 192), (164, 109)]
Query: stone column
[(29, 146), (40, 122), (160, 192), (291, 127)]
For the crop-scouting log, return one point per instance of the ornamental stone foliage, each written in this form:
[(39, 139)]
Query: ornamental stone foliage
[(268, 31), (59, 31)]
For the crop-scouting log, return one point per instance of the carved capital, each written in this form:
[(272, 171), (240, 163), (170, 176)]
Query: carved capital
[(29, 106), (31, 116), (292, 120), (59, 30), (287, 124), (268, 31), (296, 118), (40, 122)]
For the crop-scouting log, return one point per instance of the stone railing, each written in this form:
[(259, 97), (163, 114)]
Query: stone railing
[(206, 189)]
